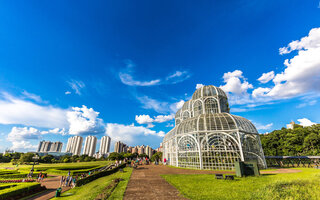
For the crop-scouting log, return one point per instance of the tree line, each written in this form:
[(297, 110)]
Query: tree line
[(25, 158), (130, 156), (299, 141)]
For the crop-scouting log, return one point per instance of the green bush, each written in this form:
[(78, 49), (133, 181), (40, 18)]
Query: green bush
[(19, 175), (18, 190), (97, 175)]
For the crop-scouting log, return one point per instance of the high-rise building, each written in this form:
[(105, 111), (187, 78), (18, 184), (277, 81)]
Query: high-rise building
[(134, 149), (120, 147), (74, 145), (68, 149), (129, 149), (40, 145), (56, 147), (47, 146), (105, 145), (148, 151), (90, 146), (141, 150)]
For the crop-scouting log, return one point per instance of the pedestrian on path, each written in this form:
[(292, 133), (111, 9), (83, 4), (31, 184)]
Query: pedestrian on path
[(62, 181)]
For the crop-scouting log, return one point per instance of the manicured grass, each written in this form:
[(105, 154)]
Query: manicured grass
[(304, 185), (92, 189), (16, 189), (58, 168), (118, 192)]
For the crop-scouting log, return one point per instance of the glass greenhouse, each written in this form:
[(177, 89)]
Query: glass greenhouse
[(207, 136)]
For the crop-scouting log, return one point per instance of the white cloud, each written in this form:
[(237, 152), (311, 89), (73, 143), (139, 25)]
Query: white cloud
[(77, 86), (128, 80), (309, 42), (23, 146), (67, 92), (158, 106), (19, 136), (19, 111), (307, 103), (178, 76), (176, 106), (146, 119), (235, 83), (260, 92), (84, 121), (300, 78), (305, 122), (199, 85), (60, 131), (263, 127), (24, 133), (34, 97), (126, 77), (302, 72), (163, 118), (129, 133), (266, 77)]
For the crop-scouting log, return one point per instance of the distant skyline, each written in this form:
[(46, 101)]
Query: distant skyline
[(123, 68)]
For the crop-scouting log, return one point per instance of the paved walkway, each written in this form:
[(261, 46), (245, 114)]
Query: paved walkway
[(51, 184), (146, 182)]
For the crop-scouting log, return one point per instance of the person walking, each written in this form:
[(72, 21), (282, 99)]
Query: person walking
[(66, 181), (61, 181), (70, 181)]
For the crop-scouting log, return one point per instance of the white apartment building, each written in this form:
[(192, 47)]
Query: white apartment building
[(105, 145), (74, 145), (90, 146)]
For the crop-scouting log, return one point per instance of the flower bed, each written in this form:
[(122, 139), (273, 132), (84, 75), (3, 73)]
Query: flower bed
[(17, 181)]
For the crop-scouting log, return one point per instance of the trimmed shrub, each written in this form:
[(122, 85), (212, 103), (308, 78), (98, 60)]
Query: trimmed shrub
[(95, 176), (20, 189), (18, 175)]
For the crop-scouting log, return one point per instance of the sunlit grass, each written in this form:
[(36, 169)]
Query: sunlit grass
[(92, 189), (303, 185)]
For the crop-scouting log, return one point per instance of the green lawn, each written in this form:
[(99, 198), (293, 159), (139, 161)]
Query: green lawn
[(92, 189), (58, 168), (304, 185)]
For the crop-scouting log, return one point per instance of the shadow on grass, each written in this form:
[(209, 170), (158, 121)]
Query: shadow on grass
[(267, 174)]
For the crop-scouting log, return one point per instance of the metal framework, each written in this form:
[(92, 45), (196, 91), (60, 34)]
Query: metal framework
[(207, 136)]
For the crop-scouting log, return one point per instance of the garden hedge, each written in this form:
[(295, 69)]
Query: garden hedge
[(18, 175), (97, 175), (18, 190)]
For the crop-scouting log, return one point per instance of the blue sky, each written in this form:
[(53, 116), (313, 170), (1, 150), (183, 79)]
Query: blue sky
[(122, 68)]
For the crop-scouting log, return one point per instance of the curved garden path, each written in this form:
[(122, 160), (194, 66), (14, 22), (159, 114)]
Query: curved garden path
[(51, 184)]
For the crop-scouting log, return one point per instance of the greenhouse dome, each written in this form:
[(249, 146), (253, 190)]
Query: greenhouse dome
[(207, 136)]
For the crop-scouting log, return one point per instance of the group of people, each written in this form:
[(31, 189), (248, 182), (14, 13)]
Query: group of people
[(68, 181), (41, 176), (140, 161)]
